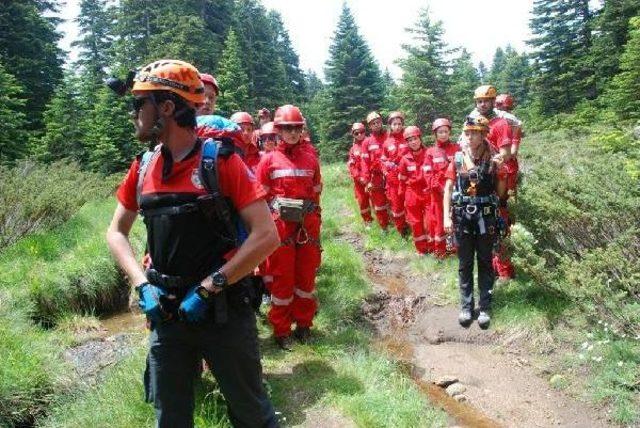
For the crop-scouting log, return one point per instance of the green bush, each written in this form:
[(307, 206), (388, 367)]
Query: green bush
[(36, 197), (579, 211)]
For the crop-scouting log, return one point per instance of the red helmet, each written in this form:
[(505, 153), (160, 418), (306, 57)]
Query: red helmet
[(241, 117), (505, 102), (373, 116), (208, 79), (440, 122), (412, 131), (288, 115), (267, 128), (357, 126), (395, 115)]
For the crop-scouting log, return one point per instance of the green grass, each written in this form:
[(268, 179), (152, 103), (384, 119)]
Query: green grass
[(68, 269), (338, 371), (49, 277)]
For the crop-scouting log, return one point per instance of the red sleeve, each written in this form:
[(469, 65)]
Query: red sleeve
[(502, 137), (126, 193), (238, 182), (451, 171)]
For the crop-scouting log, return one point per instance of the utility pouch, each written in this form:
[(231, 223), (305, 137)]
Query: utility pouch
[(290, 209)]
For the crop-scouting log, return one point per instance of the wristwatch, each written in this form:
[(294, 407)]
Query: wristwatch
[(219, 279)]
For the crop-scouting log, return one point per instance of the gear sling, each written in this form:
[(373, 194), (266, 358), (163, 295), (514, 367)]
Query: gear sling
[(215, 208)]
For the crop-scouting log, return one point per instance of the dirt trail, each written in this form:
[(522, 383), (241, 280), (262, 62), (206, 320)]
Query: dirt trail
[(497, 385)]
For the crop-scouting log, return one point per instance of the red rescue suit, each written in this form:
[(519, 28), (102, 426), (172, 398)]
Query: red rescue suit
[(374, 176), (393, 149), (500, 136), (292, 171), (438, 158), (250, 155), (414, 190), (354, 163)]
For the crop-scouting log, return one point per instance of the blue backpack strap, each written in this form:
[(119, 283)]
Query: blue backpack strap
[(209, 175), (145, 161)]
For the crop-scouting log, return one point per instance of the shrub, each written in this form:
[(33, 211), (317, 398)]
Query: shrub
[(35, 197), (579, 211)]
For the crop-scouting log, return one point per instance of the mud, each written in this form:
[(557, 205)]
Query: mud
[(112, 342), (502, 388)]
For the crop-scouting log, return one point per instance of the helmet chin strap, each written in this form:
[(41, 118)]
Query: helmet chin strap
[(158, 125)]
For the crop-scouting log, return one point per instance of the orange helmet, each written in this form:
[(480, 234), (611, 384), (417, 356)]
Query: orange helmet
[(357, 126), (208, 79), (288, 115), (373, 116), (267, 128), (440, 122), (505, 102), (479, 123), (395, 115), (241, 117), (485, 91), (412, 131), (171, 75)]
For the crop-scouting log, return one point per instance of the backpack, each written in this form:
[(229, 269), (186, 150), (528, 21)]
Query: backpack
[(208, 172)]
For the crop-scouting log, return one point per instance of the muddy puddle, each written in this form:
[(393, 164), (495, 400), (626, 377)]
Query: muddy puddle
[(114, 340), (474, 375)]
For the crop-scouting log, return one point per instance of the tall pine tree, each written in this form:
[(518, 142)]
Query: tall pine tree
[(13, 137), (354, 86), (463, 81), (424, 86), (232, 77), (29, 51), (63, 137), (294, 76), (611, 32), (623, 95), (95, 24), (561, 42)]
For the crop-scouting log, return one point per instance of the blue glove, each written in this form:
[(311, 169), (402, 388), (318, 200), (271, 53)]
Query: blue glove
[(194, 307), (150, 302)]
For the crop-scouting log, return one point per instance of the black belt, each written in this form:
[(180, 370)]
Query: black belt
[(171, 282)]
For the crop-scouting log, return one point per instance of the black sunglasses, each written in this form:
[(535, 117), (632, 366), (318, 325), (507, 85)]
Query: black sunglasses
[(290, 128), (269, 138), (137, 103)]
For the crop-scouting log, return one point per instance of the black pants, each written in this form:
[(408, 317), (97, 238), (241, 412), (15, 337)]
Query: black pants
[(480, 245), (230, 350)]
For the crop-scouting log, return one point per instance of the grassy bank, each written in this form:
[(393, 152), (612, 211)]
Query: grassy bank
[(46, 279), (338, 374)]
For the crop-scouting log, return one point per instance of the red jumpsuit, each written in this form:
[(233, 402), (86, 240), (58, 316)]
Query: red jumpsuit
[(392, 151), (293, 171), (251, 155), (355, 170), (438, 158), (373, 175), (413, 186), (500, 136)]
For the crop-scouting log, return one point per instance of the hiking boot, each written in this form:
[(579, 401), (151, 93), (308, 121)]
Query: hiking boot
[(284, 342), (484, 319), (406, 232), (465, 318), (302, 334)]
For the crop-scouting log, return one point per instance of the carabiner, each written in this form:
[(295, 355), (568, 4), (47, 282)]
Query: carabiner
[(299, 241)]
